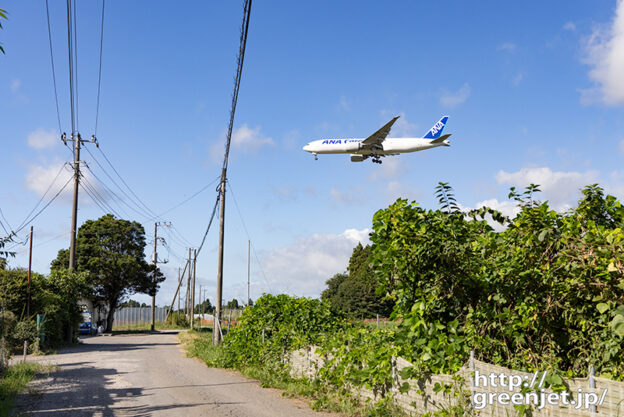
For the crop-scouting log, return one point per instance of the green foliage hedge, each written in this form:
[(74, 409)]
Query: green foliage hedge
[(288, 323), (55, 296)]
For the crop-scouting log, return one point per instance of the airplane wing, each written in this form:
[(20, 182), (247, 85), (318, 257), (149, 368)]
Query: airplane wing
[(379, 136)]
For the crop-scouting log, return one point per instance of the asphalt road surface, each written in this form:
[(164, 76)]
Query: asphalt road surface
[(147, 375)]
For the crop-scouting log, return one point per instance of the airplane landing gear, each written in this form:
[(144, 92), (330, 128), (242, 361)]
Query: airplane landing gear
[(377, 160), (315, 157)]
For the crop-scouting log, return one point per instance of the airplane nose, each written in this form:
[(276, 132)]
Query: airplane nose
[(307, 148)]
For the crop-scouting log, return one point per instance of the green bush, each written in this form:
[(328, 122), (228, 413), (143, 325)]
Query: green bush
[(288, 323)]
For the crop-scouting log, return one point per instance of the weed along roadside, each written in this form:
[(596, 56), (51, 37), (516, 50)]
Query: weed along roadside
[(512, 322), (13, 380)]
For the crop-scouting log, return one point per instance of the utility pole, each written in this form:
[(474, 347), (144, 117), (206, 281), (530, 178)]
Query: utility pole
[(248, 270), (29, 269), (77, 142), (188, 287), (239, 71), (216, 336), (152, 327), (179, 280), (155, 261), (193, 288)]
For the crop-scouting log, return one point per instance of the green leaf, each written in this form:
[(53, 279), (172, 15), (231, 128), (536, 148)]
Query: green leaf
[(618, 325), (602, 307)]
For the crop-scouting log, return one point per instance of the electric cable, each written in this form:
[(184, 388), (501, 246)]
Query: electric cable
[(58, 113), (97, 106)]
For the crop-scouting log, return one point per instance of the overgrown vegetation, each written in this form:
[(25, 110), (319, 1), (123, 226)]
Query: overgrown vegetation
[(353, 293), (54, 298), (13, 380), (545, 293)]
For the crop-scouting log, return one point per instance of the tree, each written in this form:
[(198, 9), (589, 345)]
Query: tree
[(130, 303), (3, 15), (233, 304), (3, 253), (56, 296), (354, 292), (111, 251), (204, 307)]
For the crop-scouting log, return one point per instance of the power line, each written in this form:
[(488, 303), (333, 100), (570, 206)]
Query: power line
[(189, 198), (97, 106), (58, 113), (247, 233), (26, 223), (239, 71), (141, 212), (75, 31), (155, 216), (44, 194), (214, 211), (5, 221), (71, 66)]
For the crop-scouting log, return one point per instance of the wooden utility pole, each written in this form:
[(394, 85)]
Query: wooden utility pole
[(152, 327), (188, 287), (193, 288), (72, 242), (216, 336), (239, 70), (178, 291), (29, 269), (77, 143)]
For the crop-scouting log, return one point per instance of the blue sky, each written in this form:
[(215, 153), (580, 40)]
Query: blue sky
[(534, 90)]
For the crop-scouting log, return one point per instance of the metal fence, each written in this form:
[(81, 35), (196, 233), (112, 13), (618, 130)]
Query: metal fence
[(128, 316)]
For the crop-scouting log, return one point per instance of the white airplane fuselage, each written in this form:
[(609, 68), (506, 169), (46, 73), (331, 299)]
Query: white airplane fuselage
[(387, 147)]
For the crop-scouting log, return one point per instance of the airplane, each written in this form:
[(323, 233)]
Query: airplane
[(378, 145)]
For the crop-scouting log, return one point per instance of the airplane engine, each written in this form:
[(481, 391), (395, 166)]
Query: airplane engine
[(357, 158)]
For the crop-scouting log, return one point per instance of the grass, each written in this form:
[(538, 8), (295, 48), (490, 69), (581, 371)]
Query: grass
[(322, 397), (13, 381)]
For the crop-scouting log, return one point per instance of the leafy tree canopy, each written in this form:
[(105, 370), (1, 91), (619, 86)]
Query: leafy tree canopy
[(353, 293), (111, 252)]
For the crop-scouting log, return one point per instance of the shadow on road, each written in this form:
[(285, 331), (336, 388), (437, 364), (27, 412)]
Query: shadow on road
[(75, 389)]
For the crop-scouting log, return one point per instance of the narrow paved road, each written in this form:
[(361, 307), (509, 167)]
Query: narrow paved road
[(147, 375)]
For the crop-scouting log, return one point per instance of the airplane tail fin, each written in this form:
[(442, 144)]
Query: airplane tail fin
[(437, 129)]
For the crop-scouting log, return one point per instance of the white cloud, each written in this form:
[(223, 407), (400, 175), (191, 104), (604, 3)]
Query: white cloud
[(560, 188), (517, 79), (605, 54), (15, 85), (42, 139), (250, 140), (303, 267), (507, 46), (615, 184), (39, 178), (569, 26), (55, 176), (452, 99)]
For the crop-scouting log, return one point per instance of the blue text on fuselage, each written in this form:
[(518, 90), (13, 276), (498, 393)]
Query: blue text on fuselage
[(339, 141)]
